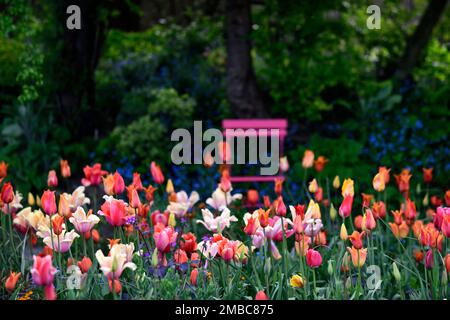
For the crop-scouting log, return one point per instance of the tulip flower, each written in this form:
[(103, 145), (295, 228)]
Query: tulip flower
[(85, 264), (263, 217), (319, 164), (188, 242), (182, 204), (180, 257), (313, 258), (164, 237), (84, 222), (261, 295), (43, 274), (278, 189), (251, 223), (57, 224), (156, 172), (252, 198), (429, 259), (447, 262), (219, 223), (62, 242), (227, 249), (358, 256), (313, 186), (379, 210), (400, 231), (49, 202), (403, 182), (427, 175), (108, 184), (193, 277), (3, 170), (368, 222), (367, 199), (297, 281), (119, 184), (7, 194), (225, 182), (11, 281), (378, 182), (343, 234), (115, 263), (280, 207), (336, 182), (356, 239), (418, 255), (52, 180), (220, 200), (385, 173), (284, 164), (114, 211), (358, 222), (137, 183), (93, 175), (409, 210), (169, 187), (308, 159), (346, 206), (65, 168)]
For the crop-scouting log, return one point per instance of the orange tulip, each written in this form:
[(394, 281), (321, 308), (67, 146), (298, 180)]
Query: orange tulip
[(418, 255), (263, 217), (367, 199), (117, 286), (379, 210), (385, 173), (252, 197), (57, 222), (319, 164), (149, 193), (85, 264), (447, 262), (358, 256), (95, 235), (358, 222), (3, 170), (65, 168), (400, 231), (403, 182), (398, 216), (11, 281), (356, 239), (133, 197), (278, 186)]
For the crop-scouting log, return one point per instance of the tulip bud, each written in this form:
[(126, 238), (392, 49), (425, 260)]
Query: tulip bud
[(31, 201), (418, 188), (155, 258), (425, 200), (396, 272), (38, 201), (172, 222), (336, 182), (330, 268), (169, 187), (343, 234), (333, 212)]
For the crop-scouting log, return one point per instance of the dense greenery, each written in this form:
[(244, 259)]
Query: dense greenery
[(322, 68)]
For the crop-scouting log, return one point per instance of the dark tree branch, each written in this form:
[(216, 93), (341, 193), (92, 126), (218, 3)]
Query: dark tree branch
[(420, 38)]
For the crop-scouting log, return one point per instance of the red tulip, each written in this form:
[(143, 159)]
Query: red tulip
[(313, 258), (57, 223), (49, 202), (189, 242), (119, 184), (346, 207), (85, 264), (156, 172), (356, 239), (427, 175), (7, 195), (137, 183), (193, 276), (93, 175), (261, 295), (3, 170), (180, 256)]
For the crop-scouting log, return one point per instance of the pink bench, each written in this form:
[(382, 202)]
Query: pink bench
[(257, 125)]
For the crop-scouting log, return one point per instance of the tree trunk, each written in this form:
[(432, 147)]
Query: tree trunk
[(419, 40), (243, 93)]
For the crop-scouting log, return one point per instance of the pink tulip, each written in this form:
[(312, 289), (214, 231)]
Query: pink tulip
[(164, 237), (313, 258), (346, 207), (261, 295), (49, 202), (114, 211), (52, 180), (43, 272)]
